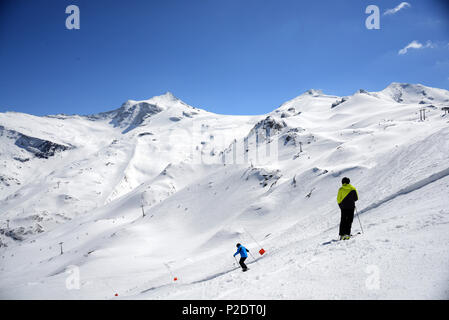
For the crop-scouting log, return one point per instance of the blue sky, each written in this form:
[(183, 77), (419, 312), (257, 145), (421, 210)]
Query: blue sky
[(229, 56)]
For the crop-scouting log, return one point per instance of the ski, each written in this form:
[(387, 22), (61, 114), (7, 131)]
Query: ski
[(337, 240)]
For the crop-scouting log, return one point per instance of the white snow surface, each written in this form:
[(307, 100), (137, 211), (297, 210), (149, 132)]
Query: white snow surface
[(83, 181)]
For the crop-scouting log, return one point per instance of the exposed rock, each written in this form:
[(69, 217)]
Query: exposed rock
[(268, 127), (145, 134), (339, 101), (8, 181), (38, 147), (189, 114), (264, 176)]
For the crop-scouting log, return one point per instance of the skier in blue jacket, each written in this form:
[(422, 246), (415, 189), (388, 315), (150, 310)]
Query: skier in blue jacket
[(243, 255)]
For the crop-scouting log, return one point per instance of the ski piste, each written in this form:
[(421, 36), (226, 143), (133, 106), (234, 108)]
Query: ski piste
[(338, 240), (94, 189)]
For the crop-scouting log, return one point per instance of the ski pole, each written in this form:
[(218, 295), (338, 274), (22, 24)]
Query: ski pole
[(253, 257), (238, 264), (357, 211), (252, 237)]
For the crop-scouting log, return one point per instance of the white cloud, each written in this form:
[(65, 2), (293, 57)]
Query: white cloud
[(400, 6), (416, 45)]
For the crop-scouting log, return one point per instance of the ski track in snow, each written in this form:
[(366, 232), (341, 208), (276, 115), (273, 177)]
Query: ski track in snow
[(422, 183)]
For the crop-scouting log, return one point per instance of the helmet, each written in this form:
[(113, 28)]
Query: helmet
[(238, 245), (345, 180)]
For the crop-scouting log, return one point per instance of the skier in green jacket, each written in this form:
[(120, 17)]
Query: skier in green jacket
[(346, 198)]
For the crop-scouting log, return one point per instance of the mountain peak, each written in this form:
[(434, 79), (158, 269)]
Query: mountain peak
[(166, 97), (133, 113), (313, 92), (403, 85), (415, 93), (170, 95)]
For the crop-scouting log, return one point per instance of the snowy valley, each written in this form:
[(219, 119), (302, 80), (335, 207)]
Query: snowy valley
[(157, 190)]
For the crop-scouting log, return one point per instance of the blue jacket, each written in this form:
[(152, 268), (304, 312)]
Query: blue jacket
[(242, 250)]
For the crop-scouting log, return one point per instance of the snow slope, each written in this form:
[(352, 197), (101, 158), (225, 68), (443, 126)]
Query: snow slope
[(205, 182)]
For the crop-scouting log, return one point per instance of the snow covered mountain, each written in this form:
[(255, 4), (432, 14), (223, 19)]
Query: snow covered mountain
[(158, 189)]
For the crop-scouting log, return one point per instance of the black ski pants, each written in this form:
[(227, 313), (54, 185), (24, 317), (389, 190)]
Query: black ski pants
[(242, 263), (347, 216)]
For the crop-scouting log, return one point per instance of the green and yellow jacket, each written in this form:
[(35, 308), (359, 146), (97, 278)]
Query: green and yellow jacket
[(347, 196)]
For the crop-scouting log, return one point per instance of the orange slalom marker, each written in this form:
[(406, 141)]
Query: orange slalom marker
[(175, 279), (261, 251)]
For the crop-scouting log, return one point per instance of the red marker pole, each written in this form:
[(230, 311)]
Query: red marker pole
[(253, 257), (261, 251), (171, 274)]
